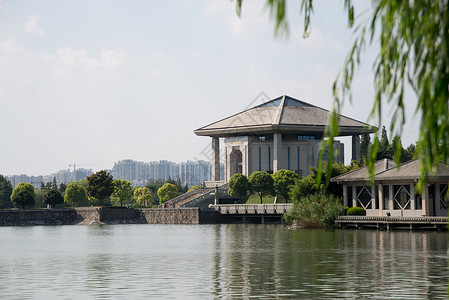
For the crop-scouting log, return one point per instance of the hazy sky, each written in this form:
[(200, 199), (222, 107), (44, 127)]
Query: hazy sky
[(94, 82)]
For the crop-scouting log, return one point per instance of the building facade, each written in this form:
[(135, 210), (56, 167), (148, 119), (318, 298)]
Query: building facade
[(283, 133)]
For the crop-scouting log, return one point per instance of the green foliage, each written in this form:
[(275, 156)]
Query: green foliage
[(262, 183), (143, 196), (356, 211), (195, 187), (304, 187), (62, 188), (315, 211), (75, 194), (5, 192), (23, 195), (167, 192), (365, 142), (238, 186), (39, 200), (412, 51), (53, 197), (284, 180), (122, 190), (100, 187)]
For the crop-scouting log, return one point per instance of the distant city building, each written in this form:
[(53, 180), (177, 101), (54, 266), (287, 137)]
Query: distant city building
[(62, 176), (189, 173)]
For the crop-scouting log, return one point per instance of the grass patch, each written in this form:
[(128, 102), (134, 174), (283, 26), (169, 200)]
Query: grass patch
[(255, 199)]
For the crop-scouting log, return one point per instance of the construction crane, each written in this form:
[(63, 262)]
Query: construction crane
[(74, 170)]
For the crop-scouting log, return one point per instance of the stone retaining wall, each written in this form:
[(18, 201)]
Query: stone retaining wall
[(37, 217), (107, 215)]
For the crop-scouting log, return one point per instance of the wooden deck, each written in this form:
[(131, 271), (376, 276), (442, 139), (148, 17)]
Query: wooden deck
[(391, 223)]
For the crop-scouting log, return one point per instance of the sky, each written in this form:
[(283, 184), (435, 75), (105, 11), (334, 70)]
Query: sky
[(95, 82)]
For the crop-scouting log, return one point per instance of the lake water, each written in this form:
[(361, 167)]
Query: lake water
[(232, 261)]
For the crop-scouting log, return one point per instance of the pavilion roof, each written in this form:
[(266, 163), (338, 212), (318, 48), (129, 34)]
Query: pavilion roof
[(362, 174), (386, 170), (282, 115)]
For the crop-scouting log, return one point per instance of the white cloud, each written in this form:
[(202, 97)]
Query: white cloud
[(69, 60), (32, 26)]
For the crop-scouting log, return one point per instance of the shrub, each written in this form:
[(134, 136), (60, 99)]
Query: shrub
[(317, 210), (356, 211)]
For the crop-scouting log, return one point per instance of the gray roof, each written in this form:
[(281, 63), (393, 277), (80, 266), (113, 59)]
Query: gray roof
[(411, 170), (362, 174), (283, 115), (386, 170)]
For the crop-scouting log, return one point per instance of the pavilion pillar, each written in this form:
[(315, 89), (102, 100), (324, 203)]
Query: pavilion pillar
[(356, 147), (215, 159), (412, 196), (425, 203), (354, 196), (373, 196), (345, 195), (381, 198), (391, 198), (277, 151)]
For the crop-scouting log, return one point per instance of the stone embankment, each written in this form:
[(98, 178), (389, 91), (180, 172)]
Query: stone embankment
[(107, 215)]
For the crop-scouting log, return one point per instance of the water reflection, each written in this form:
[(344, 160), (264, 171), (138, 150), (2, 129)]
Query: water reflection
[(329, 264), (230, 261)]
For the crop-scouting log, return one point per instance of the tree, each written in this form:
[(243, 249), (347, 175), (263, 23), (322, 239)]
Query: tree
[(5, 192), (123, 190), (143, 195), (75, 194), (62, 187), (365, 142), (409, 153), (23, 195), (100, 186), (284, 180), (54, 184), (167, 192), (413, 51), (238, 186), (53, 197), (195, 187), (262, 183)]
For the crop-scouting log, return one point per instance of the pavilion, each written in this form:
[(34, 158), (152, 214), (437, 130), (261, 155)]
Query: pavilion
[(394, 192), (283, 133)]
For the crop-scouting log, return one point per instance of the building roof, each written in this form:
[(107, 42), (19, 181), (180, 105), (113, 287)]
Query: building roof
[(386, 170), (282, 115), (362, 174)]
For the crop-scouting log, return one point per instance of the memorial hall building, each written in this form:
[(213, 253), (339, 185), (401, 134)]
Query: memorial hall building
[(283, 133)]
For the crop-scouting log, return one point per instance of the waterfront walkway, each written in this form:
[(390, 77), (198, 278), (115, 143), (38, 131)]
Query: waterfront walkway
[(390, 223)]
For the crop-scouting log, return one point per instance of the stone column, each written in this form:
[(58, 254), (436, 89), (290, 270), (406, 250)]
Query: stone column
[(390, 200), (412, 196), (277, 151), (381, 199), (425, 203), (373, 197), (356, 147), (345, 195), (354, 196), (215, 159)]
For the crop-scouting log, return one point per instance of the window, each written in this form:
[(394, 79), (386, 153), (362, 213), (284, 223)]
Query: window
[(269, 158), (443, 197), (261, 138), (401, 196), (364, 196)]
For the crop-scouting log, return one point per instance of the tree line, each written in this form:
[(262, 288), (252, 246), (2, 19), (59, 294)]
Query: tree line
[(98, 189)]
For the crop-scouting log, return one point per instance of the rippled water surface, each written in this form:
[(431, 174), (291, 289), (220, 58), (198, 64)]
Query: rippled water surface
[(219, 262)]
